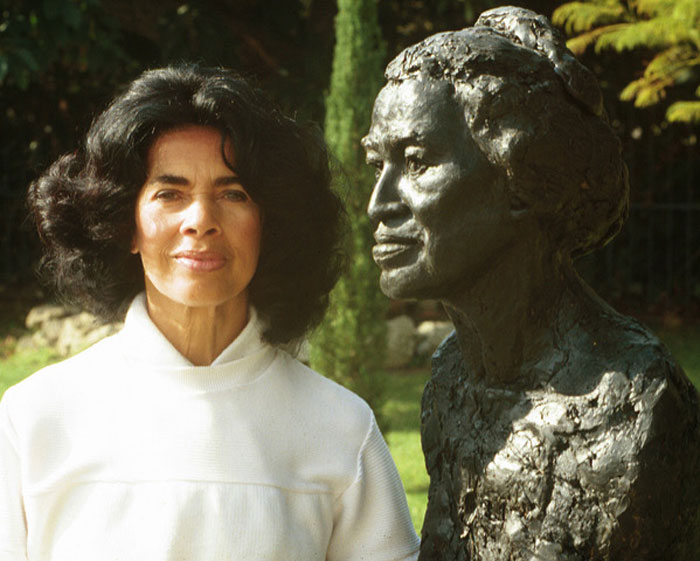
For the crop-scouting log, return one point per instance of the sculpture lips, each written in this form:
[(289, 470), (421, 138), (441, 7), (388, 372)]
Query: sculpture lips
[(393, 250)]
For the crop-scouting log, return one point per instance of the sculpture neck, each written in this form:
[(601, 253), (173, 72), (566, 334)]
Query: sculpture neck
[(506, 323)]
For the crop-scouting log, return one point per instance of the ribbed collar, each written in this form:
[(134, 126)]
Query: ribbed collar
[(146, 348)]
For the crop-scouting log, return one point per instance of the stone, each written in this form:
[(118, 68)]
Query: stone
[(43, 313), (25, 343), (74, 331), (49, 332), (65, 331), (401, 340), (430, 334)]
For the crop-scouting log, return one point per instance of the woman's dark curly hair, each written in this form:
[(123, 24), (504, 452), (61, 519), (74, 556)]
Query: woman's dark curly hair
[(84, 204)]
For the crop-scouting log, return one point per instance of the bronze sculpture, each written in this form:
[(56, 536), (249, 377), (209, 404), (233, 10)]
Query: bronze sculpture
[(553, 427)]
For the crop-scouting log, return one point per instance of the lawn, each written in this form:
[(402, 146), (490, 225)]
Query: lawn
[(402, 409), (17, 366)]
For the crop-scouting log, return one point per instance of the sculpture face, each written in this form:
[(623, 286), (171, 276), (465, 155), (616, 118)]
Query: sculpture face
[(439, 207)]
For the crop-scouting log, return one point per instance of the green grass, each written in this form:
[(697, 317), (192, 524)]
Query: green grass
[(684, 344), (18, 366), (402, 410)]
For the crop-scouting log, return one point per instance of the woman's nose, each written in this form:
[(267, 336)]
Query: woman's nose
[(385, 201), (200, 218)]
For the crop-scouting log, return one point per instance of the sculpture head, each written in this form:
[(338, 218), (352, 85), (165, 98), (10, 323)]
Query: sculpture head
[(486, 139)]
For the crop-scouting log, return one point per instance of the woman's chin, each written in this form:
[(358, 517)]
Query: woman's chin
[(198, 297)]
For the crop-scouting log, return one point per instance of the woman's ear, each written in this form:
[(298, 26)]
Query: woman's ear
[(134, 249)]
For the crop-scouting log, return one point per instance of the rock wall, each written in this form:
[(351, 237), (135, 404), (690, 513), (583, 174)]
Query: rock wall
[(66, 330)]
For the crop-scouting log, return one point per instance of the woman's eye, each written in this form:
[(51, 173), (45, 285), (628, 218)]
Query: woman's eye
[(167, 195), (235, 195)]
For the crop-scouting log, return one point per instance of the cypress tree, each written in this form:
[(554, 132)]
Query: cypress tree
[(349, 346)]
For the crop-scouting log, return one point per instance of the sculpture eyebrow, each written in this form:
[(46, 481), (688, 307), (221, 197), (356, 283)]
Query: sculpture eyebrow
[(394, 143)]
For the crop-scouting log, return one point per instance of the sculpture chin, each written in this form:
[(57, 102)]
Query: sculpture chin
[(406, 283)]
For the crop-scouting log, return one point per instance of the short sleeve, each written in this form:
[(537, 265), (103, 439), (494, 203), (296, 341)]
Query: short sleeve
[(13, 532), (371, 517)]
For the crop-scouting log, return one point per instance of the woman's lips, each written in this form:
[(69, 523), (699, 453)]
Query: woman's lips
[(201, 261)]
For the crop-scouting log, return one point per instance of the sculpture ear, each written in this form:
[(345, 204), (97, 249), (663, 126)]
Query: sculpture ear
[(518, 206)]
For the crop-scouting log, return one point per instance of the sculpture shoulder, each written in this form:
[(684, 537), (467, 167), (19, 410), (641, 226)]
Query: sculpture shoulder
[(609, 342)]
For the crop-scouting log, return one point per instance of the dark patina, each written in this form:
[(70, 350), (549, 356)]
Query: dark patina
[(553, 428)]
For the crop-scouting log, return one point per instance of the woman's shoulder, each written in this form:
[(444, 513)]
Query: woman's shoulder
[(320, 396), (64, 378)]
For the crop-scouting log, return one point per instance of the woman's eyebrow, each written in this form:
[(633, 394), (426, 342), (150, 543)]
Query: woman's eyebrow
[(227, 180), (170, 179)]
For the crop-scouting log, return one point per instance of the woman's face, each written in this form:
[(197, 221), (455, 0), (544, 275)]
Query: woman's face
[(197, 229)]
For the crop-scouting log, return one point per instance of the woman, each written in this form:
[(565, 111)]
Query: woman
[(553, 427), (190, 434)]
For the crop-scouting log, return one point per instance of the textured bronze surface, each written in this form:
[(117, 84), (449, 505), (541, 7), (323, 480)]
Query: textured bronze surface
[(553, 427)]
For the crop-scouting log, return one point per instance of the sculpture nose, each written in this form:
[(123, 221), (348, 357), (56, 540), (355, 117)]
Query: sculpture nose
[(385, 201)]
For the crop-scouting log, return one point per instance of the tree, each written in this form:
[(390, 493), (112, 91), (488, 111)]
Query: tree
[(669, 28), (349, 346)]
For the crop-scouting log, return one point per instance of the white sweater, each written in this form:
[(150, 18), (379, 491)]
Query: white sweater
[(128, 452)]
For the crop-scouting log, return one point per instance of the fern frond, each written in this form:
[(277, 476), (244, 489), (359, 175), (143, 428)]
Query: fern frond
[(684, 112), (648, 9), (687, 10), (578, 45), (646, 92), (658, 33), (577, 17), (677, 62)]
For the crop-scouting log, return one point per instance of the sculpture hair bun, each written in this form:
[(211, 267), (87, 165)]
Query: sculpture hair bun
[(533, 31)]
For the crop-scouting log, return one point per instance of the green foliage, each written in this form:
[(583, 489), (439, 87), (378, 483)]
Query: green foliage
[(684, 344), (684, 112), (670, 27), (350, 345), (51, 33), (577, 17)]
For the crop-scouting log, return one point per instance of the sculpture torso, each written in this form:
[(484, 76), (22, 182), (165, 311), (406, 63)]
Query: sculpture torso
[(588, 461), (554, 429)]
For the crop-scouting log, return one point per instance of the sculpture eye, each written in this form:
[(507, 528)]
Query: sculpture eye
[(415, 165)]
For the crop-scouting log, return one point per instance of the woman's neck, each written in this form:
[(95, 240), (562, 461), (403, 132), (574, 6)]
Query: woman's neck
[(507, 321), (198, 333)]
